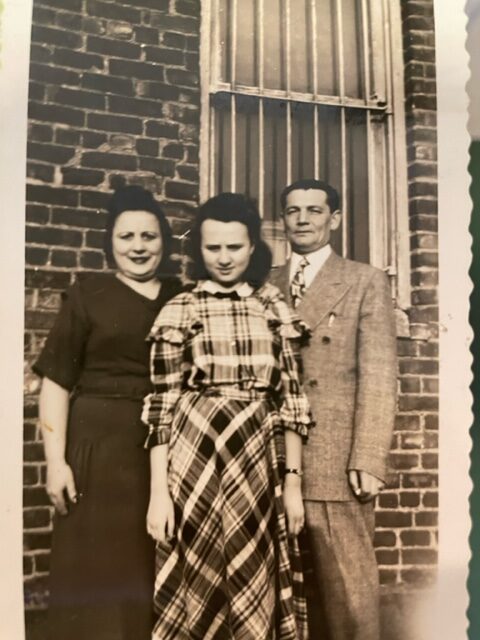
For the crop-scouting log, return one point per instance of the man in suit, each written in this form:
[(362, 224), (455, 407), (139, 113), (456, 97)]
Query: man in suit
[(349, 373)]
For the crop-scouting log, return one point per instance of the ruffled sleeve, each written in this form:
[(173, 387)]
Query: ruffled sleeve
[(168, 367), (62, 357), (292, 333)]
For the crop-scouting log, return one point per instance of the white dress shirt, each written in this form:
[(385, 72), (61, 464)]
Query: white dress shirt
[(316, 260)]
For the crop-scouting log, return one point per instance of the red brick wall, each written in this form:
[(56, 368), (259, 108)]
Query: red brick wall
[(407, 512), (114, 96)]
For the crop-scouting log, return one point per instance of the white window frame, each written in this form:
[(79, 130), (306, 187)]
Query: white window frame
[(388, 234)]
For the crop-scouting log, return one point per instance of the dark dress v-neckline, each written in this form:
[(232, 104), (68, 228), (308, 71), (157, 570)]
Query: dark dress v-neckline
[(141, 296)]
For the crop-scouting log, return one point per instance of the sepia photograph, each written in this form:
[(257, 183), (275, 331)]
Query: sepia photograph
[(233, 320)]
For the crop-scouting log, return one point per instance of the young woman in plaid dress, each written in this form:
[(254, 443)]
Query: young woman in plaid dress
[(226, 422)]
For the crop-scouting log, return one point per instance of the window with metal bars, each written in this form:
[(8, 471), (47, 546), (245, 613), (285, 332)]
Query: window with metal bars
[(310, 88)]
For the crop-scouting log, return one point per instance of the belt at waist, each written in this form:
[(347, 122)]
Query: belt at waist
[(229, 391), (134, 391)]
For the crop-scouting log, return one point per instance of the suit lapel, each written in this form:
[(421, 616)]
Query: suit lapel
[(326, 291)]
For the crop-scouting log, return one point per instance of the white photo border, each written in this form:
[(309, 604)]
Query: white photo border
[(15, 27), (445, 616)]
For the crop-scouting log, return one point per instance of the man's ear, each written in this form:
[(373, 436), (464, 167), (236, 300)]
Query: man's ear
[(336, 219)]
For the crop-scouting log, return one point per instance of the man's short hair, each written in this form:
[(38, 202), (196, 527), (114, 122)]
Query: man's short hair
[(333, 199)]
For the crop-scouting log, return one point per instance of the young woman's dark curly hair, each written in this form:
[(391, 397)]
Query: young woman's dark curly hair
[(232, 207), (136, 198)]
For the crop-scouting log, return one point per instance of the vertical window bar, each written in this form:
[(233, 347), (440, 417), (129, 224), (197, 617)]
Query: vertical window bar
[(288, 47), (233, 48), (211, 160), (260, 42), (289, 81), (216, 52), (387, 204), (316, 142), (391, 215), (388, 52), (391, 251), (233, 104), (340, 48), (261, 131), (206, 60), (214, 75), (313, 21), (233, 142), (343, 145), (343, 125), (366, 50), (288, 116), (374, 225), (378, 39), (373, 229), (401, 237), (261, 159)]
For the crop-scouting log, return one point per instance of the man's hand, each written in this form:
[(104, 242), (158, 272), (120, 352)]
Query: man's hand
[(365, 486)]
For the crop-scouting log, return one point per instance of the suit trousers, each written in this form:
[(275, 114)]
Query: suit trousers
[(344, 593)]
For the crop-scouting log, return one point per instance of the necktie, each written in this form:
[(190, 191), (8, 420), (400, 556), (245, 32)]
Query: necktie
[(297, 286)]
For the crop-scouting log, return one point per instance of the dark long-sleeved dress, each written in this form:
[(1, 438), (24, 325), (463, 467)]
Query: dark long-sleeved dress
[(226, 388), (102, 560)]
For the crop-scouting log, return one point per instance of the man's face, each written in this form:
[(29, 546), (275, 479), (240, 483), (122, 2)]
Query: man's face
[(308, 220)]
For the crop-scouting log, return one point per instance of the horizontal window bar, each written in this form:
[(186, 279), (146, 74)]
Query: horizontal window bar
[(275, 94)]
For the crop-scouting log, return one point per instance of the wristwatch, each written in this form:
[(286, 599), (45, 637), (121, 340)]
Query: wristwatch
[(297, 472)]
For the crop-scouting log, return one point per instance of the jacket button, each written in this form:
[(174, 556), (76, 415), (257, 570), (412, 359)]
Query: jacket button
[(326, 339), (312, 383)]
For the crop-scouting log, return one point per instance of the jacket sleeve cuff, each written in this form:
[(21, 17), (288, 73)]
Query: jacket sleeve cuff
[(370, 464)]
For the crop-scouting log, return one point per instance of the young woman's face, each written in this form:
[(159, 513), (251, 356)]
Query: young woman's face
[(137, 244), (226, 250)]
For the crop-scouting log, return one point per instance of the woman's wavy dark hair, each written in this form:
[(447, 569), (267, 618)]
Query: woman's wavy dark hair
[(232, 207), (136, 198)]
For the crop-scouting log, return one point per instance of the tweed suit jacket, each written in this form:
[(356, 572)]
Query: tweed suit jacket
[(349, 374)]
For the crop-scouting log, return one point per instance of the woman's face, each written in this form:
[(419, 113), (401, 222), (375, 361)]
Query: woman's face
[(137, 244), (226, 250)]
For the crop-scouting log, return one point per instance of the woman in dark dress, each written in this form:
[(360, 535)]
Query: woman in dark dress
[(95, 368)]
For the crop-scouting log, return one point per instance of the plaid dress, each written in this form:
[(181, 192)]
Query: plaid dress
[(226, 387)]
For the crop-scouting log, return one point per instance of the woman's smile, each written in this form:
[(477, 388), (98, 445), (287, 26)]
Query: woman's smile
[(137, 244)]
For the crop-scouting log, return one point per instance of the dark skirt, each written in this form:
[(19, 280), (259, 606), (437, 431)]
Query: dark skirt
[(102, 560)]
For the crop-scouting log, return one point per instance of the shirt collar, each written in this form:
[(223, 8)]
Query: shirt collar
[(242, 289), (316, 259)]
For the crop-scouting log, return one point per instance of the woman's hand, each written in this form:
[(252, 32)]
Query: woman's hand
[(60, 480), (293, 502), (160, 516)]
